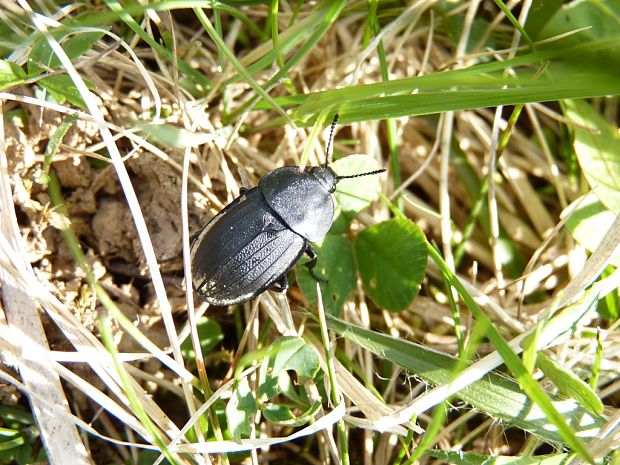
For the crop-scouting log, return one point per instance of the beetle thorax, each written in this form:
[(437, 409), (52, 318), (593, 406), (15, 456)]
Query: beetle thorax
[(302, 199), (326, 177)]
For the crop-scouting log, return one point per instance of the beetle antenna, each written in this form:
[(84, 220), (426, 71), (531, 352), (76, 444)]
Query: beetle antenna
[(331, 137), (338, 178)]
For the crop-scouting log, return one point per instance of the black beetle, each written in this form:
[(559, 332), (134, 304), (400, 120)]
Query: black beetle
[(253, 243)]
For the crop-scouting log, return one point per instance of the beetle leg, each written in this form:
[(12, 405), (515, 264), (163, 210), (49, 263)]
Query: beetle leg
[(281, 284), (312, 263), (194, 236)]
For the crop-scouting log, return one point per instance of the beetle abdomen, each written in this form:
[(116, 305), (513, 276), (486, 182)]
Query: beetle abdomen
[(243, 251)]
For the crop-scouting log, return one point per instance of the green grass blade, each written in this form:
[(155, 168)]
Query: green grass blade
[(223, 48), (325, 17), (494, 394), (117, 8), (515, 22), (570, 72), (514, 364)]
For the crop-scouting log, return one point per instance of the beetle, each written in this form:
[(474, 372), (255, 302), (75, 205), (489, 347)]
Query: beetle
[(251, 245)]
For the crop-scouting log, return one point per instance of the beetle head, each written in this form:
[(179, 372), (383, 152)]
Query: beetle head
[(326, 177)]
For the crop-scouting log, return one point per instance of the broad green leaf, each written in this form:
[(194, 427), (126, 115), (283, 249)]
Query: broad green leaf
[(210, 335), (288, 388), (287, 353), (589, 223), (282, 414), (43, 57), (10, 74), (62, 88), (293, 353), (468, 458), (353, 195), (597, 151), (594, 20), (569, 384), (336, 265), (240, 408), (540, 13), (341, 224), (496, 395), (278, 413), (391, 258)]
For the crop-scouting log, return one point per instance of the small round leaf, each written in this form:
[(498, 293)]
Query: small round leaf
[(596, 148), (391, 259), (355, 194), (337, 266)]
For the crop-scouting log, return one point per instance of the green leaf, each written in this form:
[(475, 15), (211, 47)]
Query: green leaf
[(10, 74), (149, 457), (540, 13), (125, 13), (62, 88), (589, 223), (12, 414), (319, 23), (496, 395), (596, 22), (78, 43), (608, 308), (43, 58), (287, 353), (282, 415), (14, 442), (290, 353), (288, 388), (210, 335), (8, 432), (353, 195), (469, 458), (391, 258), (597, 151), (240, 408), (570, 384), (335, 263), (42, 175), (278, 413)]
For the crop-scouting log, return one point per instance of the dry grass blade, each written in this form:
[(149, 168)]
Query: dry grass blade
[(29, 347)]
